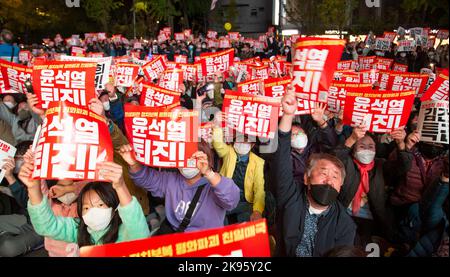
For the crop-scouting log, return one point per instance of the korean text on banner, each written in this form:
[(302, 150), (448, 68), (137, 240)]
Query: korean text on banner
[(438, 90), (155, 96), (248, 239), (56, 81), (433, 121), (314, 62), (338, 91), (72, 141), (126, 74), (251, 115), (14, 76), (154, 68), (216, 62), (6, 150), (161, 137), (252, 87), (102, 71), (379, 111)]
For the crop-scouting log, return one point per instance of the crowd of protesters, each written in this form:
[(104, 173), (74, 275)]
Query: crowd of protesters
[(326, 190)]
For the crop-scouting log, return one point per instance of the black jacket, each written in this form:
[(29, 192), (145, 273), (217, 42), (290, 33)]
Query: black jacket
[(383, 173), (335, 229)]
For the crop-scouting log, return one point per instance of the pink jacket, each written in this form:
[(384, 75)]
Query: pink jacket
[(57, 248)]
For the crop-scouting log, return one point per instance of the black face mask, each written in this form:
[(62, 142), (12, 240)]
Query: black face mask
[(430, 151), (324, 194)]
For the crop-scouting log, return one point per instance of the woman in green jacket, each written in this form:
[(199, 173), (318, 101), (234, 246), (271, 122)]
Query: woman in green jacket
[(107, 212)]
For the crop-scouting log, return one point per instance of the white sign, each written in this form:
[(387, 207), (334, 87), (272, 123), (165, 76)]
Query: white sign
[(6, 150), (433, 121)]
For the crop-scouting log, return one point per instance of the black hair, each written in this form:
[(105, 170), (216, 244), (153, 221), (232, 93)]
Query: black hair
[(109, 196), (22, 147)]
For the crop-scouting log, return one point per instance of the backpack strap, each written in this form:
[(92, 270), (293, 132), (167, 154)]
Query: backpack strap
[(188, 216)]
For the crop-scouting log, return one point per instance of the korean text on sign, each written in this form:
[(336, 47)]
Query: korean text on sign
[(162, 137), (154, 96), (433, 121)]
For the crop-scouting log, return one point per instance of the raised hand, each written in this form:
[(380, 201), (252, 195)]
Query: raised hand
[(96, 106), (289, 102), (112, 172), (318, 112), (202, 162), (32, 101), (399, 136), (412, 139)]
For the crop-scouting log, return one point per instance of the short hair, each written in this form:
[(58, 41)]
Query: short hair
[(314, 158)]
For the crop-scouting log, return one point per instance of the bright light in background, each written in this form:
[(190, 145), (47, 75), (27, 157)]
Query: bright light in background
[(276, 12), (289, 32)]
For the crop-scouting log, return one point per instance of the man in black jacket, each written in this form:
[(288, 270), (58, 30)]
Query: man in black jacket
[(313, 221)]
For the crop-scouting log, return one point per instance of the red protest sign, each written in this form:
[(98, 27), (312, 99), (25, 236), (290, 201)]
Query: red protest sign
[(338, 91), (438, 90), (442, 34), (276, 87), (78, 51), (179, 36), (187, 33), (252, 87), (407, 81), (154, 68), (167, 31), (125, 74), (171, 79), (365, 63), (379, 111), (154, 96), (24, 56), (216, 62), (251, 115), (181, 58), (211, 34), (14, 76), (72, 141), (400, 67), (259, 72), (383, 63), (389, 35), (189, 71), (161, 137), (56, 81), (234, 35), (314, 62), (248, 239), (2, 83), (224, 43), (347, 65)]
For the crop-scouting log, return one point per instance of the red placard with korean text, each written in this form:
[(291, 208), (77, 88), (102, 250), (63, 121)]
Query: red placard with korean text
[(251, 115), (187, 33), (383, 63), (171, 79), (14, 76), (126, 74), (338, 91), (155, 96), (24, 56), (314, 61), (248, 239), (154, 68), (64, 81), (234, 35), (276, 87), (390, 35), (189, 71), (397, 67), (438, 90), (161, 137), (179, 36), (347, 65), (78, 51), (216, 62), (224, 43), (366, 63), (259, 72), (379, 111), (252, 87), (407, 81), (72, 141), (211, 34), (2, 83), (181, 58)]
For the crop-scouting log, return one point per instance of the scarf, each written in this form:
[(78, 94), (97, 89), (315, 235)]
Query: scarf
[(363, 186)]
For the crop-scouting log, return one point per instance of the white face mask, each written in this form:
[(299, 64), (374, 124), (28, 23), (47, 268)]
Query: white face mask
[(242, 148), (10, 105), (189, 173), (68, 198), (299, 141), (98, 219), (106, 106), (210, 94), (365, 156), (402, 55)]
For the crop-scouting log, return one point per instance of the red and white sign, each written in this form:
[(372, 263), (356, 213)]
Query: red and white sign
[(187, 33), (383, 64), (248, 239), (438, 90), (234, 35), (217, 62), (314, 62), (78, 51), (252, 87), (126, 74), (224, 43), (442, 34), (167, 31), (171, 79), (276, 87), (189, 71), (405, 81), (57, 81), (338, 91), (406, 45), (154, 68), (14, 76), (366, 63), (397, 67), (72, 141), (347, 65), (390, 35), (251, 115), (155, 96), (6, 150), (181, 58), (24, 56), (162, 137), (379, 111), (179, 36), (211, 34), (259, 72)]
